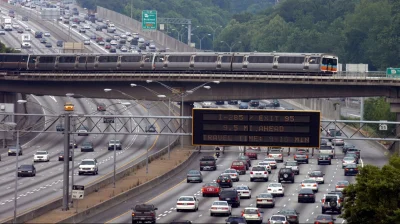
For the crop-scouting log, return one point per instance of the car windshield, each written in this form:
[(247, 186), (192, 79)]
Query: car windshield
[(250, 211), (275, 151), (291, 163), (263, 164), (87, 144), (112, 141), (309, 181), (265, 196), (186, 199), (230, 171), (345, 183), (242, 188), (211, 185), (324, 217), (26, 166), (269, 160), (351, 166), (193, 172), (275, 185), (288, 212), (278, 218), (258, 168), (316, 174), (348, 158), (220, 203), (41, 153), (306, 191), (87, 163)]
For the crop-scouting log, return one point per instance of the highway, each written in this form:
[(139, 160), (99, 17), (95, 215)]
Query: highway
[(164, 197)]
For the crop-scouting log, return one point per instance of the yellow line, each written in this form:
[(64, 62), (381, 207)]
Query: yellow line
[(126, 213)]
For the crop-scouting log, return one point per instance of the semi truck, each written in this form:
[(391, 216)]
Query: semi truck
[(6, 23)]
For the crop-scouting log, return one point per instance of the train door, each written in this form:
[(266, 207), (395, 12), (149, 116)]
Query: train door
[(56, 62), (76, 64), (306, 63), (275, 63), (245, 62), (159, 62), (96, 62), (165, 65), (146, 62), (119, 62), (37, 62), (191, 63), (219, 65)]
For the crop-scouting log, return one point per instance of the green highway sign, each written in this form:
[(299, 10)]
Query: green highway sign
[(393, 72), (149, 20)]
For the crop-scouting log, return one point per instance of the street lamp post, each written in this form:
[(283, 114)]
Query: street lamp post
[(201, 39), (232, 45), (214, 30)]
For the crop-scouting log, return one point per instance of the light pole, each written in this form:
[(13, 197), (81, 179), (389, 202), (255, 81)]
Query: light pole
[(214, 30), (232, 45), (115, 138), (184, 94), (201, 39)]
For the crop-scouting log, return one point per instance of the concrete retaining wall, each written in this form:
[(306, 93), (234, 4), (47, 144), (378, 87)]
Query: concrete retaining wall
[(121, 198), (129, 24), (329, 108)]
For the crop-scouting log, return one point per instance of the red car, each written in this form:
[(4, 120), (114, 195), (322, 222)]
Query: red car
[(212, 189), (107, 46), (251, 154), (239, 166)]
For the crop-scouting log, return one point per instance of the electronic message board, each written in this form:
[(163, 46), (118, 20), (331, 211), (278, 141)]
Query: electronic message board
[(279, 128)]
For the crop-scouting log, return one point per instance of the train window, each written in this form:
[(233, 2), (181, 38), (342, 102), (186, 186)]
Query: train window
[(298, 60), (47, 59), (148, 58), (112, 58), (208, 59), (82, 59), (32, 59), (313, 60), (238, 59), (226, 59), (159, 59), (131, 58), (2, 58), (24, 58), (260, 59), (12, 58), (103, 59), (179, 58), (67, 59), (90, 59)]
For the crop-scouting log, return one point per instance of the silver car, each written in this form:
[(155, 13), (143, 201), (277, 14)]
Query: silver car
[(232, 173), (294, 165), (265, 200), (194, 176)]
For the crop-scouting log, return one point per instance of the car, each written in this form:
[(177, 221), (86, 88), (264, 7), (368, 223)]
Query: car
[(352, 154), (306, 195), (116, 37), (348, 160), (128, 33), (113, 42), (294, 166), (82, 30), (107, 46), (341, 195), (262, 106), (151, 128), (123, 36), (43, 40), (86, 42), (347, 146), (310, 183), (244, 191), (25, 18), (144, 213), (48, 44), (233, 173), (354, 150), (254, 103), (210, 189), (265, 200), (101, 107), (187, 203), (99, 28), (243, 105), (276, 189), (236, 219), (292, 215), (86, 26), (233, 102), (225, 180), (331, 203), (301, 158), (220, 207), (206, 104), (324, 159), (337, 142), (251, 154), (351, 169), (26, 45), (323, 142), (286, 174), (26, 170), (74, 25), (240, 166), (88, 166), (15, 26), (46, 34), (2, 32), (102, 43), (87, 147), (194, 176), (72, 144), (253, 214), (259, 173), (61, 156), (276, 153), (83, 131), (113, 50), (208, 163), (271, 162), (317, 175), (277, 219), (245, 159), (20, 30), (231, 196), (341, 185), (266, 165), (60, 43), (12, 151), (219, 102), (124, 49), (116, 143), (41, 156), (322, 219)]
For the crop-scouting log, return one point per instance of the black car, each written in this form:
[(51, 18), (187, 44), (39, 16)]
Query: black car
[(286, 174), (87, 147), (61, 156), (350, 169), (25, 18), (301, 158), (72, 144), (113, 50), (99, 28), (275, 103), (236, 219), (254, 103), (59, 128), (245, 159), (324, 219), (26, 170), (324, 159), (231, 196), (292, 215), (117, 143), (306, 195), (20, 30), (12, 151), (220, 102), (150, 128), (225, 180), (43, 40), (233, 102), (108, 39), (181, 222), (60, 43), (347, 146)]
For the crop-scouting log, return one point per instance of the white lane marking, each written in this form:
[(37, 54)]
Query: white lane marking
[(53, 98), (343, 221)]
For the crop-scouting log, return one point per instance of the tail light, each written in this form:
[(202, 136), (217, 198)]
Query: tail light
[(218, 181), (317, 223), (242, 213), (330, 222), (190, 203), (329, 158), (251, 172), (258, 213), (179, 203), (314, 185), (224, 208), (295, 156), (133, 214), (202, 190), (269, 189), (259, 199), (270, 156), (340, 201), (220, 198), (229, 181), (152, 214), (279, 189), (280, 155), (292, 217), (301, 195), (347, 169), (213, 207), (323, 200), (237, 198), (302, 185), (265, 172)]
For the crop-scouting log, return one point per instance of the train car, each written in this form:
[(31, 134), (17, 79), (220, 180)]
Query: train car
[(13, 62)]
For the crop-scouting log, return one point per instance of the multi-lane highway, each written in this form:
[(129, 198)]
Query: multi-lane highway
[(164, 197)]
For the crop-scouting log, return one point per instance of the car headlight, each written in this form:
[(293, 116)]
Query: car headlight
[(19, 171)]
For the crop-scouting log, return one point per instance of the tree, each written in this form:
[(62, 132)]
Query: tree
[(375, 197), (376, 109)]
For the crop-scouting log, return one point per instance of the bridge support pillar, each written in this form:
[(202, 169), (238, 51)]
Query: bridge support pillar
[(395, 108), (187, 124)]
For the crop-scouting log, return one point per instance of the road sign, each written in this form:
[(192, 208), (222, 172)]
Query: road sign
[(280, 128), (78, 191), (393, 72), (149, 20), (382, 126)]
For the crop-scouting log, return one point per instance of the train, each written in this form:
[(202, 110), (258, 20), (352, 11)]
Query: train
[(161, 62)]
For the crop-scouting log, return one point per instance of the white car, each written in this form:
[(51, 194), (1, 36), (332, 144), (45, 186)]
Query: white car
[(232, 173), (220, 207), (310, 184), (341, 185), (113, 42), (86, 42), (27, 29), (276, 153), (252, 214), (74, 25), (187, 203), (41, 156), (266, 164), (258, 172), (271, 161), (128, 33), (86, 27), (206, 104), (278, 219), (123, 36), (318, 176), (348, 160), (276, 189), (337, 141), (25, 45), (244, 191), (15, 26), (294, 166), (2, 32), (265, 199), (88, 166), (46, 34)]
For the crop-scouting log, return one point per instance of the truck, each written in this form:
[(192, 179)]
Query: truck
[(6, 23), (208, 163), (144, 213), (25, 41)]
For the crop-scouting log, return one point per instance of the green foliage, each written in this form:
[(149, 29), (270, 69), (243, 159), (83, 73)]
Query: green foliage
[(376, 109), (4, 49), (375, 197)]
